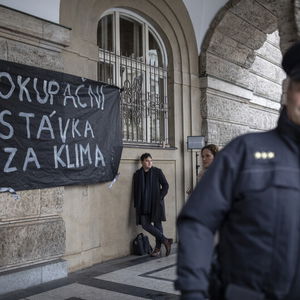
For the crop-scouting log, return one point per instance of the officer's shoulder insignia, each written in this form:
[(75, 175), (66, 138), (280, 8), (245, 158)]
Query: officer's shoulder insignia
[(264, 155), (257, 155)]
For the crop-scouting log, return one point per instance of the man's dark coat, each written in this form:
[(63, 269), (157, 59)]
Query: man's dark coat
[(159, 189)]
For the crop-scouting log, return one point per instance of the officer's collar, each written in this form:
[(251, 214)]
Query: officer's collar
[(287, 128)]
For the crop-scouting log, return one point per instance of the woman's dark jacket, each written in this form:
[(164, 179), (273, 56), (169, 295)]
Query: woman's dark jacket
[(158, 190), (251, 194)]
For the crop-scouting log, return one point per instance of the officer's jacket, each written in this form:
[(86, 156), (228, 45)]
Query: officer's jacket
[(251, 195)]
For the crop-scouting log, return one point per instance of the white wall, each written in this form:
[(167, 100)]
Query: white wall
[(45, 9), (202, 13)]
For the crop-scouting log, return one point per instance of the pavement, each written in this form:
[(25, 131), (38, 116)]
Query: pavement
[(128, 278)]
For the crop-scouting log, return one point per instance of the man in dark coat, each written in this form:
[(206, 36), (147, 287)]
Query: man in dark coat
[(149, 188), (251, 195)]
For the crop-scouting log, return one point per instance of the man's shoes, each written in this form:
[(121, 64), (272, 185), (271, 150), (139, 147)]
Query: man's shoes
[(168, 243), (155, 253)]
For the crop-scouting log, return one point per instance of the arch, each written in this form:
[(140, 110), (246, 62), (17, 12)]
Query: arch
[(172, 22), (170, 19), (132, 15), (240, 70)]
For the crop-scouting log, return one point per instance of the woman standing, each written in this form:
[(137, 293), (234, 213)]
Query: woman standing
[(208, 154)]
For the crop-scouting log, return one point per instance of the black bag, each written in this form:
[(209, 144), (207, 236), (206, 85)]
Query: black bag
[(141, 245)]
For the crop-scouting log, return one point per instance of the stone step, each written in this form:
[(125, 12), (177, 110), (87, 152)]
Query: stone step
[(25, 277)]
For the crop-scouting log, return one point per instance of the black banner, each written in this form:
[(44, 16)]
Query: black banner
[(56, 129)]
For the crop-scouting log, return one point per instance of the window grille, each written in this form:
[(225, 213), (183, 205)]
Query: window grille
[(132, 57)]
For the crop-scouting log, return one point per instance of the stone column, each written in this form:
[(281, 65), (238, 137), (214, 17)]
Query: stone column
[(32, 231)]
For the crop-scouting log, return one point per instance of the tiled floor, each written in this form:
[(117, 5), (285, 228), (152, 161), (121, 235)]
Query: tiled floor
[(80, 291), (145, 276), (127, 278)]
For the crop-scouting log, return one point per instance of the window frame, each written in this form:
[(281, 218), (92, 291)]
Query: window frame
[(145, 65)]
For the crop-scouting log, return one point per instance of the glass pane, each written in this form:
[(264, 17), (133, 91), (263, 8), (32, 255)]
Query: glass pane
[(131, 38), (133, 104), (155, 54), (105, 33), (106, 72)]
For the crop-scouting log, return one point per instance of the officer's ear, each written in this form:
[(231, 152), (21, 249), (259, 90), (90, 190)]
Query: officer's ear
[(293, 86)]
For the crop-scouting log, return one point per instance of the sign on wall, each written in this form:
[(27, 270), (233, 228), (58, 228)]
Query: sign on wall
[(56, 129)]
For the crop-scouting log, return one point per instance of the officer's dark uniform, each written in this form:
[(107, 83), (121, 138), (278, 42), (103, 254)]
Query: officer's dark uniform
[(251, 195)]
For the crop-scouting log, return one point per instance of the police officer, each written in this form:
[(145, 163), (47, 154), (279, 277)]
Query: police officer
[(251, 195)]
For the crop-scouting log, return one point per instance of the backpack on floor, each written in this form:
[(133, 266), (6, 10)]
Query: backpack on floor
[(141, 245)]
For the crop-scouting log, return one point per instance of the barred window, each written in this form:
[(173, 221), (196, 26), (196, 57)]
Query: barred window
[(133, 57)]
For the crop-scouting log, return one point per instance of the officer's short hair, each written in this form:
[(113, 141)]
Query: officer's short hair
[(291, 62), (145, 155)]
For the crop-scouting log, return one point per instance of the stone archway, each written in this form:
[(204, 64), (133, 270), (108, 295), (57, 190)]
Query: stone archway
[(241, 76), (106, 237)]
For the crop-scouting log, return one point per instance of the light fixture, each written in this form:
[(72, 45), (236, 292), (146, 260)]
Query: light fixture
[(195, 142)]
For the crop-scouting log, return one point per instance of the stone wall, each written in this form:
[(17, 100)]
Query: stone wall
[(31, 228), (241, 81)]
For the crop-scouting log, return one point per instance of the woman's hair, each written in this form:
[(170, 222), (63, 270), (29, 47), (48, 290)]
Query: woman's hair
[(212, 148)]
